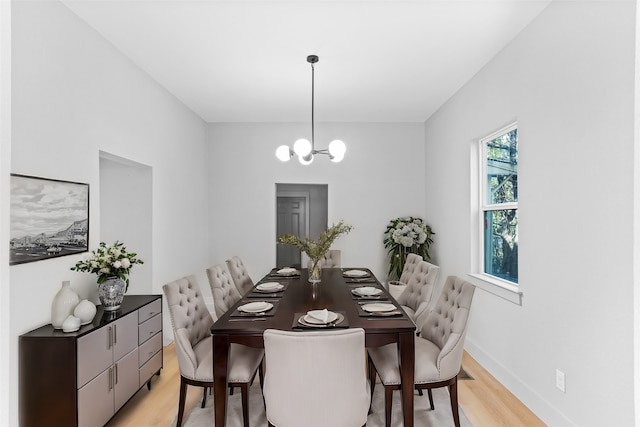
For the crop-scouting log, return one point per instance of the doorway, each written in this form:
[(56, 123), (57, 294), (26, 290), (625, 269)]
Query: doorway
[(301, 209)]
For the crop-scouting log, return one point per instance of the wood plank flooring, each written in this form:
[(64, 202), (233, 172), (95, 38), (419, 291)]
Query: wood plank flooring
[(484, 400)]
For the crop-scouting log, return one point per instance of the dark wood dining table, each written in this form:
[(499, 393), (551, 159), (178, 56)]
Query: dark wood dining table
[(299, 296)]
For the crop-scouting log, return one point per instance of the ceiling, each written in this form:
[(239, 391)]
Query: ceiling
[(245, 61)]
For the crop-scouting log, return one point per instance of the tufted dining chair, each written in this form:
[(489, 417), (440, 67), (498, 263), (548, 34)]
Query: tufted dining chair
[(191, 323), (438, 349), (316, 379), (239, 275), (332, 259), (410, 264), (225, 294), (407, 270), (417, 294)]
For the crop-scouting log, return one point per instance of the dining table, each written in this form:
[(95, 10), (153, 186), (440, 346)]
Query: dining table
[(339, 291)]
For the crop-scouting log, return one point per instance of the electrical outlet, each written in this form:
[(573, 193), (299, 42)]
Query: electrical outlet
[(560, 380)]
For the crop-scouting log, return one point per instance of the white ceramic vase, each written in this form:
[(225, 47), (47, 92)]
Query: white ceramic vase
[(71, 324), (63, 305), (85, 311)]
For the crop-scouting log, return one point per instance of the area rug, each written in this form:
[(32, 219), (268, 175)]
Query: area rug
[(464, 375), (424, 417)]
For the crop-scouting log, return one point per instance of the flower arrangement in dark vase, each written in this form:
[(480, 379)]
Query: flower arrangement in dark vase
[(404, 236)]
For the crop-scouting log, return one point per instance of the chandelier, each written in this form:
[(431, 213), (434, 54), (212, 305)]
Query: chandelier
[(304, 149)]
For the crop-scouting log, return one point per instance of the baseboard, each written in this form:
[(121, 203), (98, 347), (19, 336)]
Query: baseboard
[(529, 397)]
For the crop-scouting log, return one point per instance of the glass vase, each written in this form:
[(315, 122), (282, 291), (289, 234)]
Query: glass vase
[(315, 270), (111, 293)]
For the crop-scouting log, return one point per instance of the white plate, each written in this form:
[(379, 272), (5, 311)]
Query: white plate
[(256, 307), (269, 286), (314, 316), (338, 320), (378, 307), (356, 273), (287, 271), (367, 291)]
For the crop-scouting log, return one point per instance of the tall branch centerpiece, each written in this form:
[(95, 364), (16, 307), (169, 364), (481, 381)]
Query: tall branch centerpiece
[(316, 250)]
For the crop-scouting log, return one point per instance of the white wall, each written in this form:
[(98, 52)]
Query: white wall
[(6, 340), (126, 212), (380, 178), (74, 95), (569, 80)]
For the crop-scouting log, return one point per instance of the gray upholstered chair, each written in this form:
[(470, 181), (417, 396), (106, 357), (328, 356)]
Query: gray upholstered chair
[(225, 294), (396, 287), (239, 275), (191, 322), (332, 259), (438, 349), (417, 294), (316, 379)]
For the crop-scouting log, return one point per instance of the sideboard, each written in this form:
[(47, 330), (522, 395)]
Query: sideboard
[(83, 378)]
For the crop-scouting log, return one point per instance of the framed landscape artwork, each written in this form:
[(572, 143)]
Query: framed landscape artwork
[(49, 218)]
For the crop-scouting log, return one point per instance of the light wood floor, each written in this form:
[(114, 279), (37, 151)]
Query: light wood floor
[(484, 400)]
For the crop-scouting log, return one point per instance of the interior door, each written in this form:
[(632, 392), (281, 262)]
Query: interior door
[(292, 218)]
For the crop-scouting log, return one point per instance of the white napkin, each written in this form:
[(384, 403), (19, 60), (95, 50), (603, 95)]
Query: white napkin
[(267, 286), (286, 270), (321, 315), (255, 306), (368, 290)]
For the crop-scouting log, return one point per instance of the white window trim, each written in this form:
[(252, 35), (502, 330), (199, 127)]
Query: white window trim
[(496, 286), (505, 289)]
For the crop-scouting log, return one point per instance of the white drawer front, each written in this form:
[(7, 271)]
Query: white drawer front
[(149, 328), (149, 348), (151, 367), (149, 310)]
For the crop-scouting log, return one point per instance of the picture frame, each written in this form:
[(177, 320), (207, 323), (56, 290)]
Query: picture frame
[(49, 218)]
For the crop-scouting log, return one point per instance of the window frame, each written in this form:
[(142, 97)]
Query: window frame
[(494, 284)]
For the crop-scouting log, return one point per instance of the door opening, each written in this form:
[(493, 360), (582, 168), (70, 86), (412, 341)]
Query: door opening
[(302, 209)]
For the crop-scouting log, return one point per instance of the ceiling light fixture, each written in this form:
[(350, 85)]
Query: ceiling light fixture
[(304, 149)]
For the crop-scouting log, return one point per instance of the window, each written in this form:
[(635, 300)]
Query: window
[(498, 210)]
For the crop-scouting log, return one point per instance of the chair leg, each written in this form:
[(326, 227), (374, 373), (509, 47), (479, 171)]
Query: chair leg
[(204, 397), (453, 394), (372, 382), (244, 391), (261, 374), (388, 399), (430, 399), (419, 392), (183, 395)]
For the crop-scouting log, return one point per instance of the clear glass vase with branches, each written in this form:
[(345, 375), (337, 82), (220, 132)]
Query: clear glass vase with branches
[(317, 249)]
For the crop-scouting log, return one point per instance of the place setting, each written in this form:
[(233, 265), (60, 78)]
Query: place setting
[(256, 309), (368, 293), (378, 309), (358, 276), (320, 319), (285, 272), (268, 290)]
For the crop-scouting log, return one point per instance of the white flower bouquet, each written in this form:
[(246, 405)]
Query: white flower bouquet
[(404, 236), (109, 261)]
